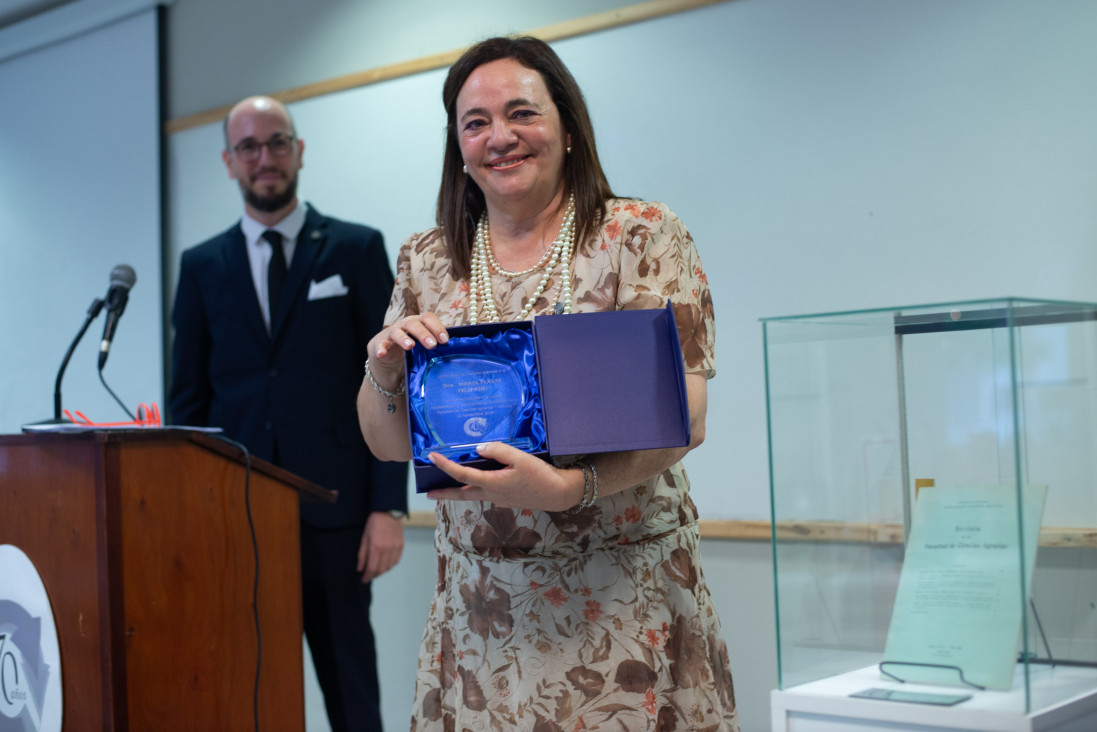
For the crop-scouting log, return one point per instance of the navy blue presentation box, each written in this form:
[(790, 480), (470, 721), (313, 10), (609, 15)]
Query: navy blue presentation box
[(609, 382)]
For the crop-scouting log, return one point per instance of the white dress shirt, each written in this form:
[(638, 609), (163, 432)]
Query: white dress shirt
[(259, 250)]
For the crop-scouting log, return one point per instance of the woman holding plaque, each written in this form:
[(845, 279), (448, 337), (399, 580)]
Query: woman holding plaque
[(570, 593)]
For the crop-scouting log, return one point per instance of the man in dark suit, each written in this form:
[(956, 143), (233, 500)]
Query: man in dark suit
[(271, 323)]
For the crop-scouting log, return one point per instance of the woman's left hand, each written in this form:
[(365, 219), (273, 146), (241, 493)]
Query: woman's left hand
[(524, 481)]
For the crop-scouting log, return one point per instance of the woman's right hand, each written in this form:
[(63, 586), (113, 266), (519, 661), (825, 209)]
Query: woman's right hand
[(386, 349)]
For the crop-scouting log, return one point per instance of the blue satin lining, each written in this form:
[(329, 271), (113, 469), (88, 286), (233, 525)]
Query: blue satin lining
[(514, 345)]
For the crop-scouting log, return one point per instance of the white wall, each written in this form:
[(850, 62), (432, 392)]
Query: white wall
[(79, 194), (825, 154), (219, 51)]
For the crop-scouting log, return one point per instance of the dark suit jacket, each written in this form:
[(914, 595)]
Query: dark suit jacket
[(290, 394)]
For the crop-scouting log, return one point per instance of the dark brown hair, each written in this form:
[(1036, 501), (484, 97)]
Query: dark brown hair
[(460, 200)]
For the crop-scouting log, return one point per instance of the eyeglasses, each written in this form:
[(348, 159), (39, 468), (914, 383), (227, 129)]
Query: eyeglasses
[(249, 150)]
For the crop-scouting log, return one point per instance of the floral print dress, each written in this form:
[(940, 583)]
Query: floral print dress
[(546, 621)]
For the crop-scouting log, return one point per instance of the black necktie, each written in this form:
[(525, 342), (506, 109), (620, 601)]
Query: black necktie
[(276, 271)]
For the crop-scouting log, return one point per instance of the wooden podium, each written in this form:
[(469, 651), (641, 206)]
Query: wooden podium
[(143, 542)]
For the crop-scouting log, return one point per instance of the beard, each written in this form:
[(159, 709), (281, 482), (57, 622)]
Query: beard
[(271, 203)]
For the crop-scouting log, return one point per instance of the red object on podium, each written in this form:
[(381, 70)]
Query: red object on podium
[(142, 540)]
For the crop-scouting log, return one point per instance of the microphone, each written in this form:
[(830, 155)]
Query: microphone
[(122, 278)]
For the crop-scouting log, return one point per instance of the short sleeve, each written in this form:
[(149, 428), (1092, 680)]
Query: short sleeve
[(423, 275), (404, 300)]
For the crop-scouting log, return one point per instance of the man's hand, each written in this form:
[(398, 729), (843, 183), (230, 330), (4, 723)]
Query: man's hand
[(382, 544)]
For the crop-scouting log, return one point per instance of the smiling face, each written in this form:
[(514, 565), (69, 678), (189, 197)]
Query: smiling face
[(269, 182), (511, 137)]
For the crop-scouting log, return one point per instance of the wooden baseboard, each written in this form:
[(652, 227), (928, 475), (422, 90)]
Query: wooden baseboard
[(826, 532)]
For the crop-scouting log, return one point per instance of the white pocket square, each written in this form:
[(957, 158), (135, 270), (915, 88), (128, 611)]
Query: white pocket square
[(331, 287)]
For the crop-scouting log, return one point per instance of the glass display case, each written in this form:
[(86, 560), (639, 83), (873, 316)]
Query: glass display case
[(868, 408)]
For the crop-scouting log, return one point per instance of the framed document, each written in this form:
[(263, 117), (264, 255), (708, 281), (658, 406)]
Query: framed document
[(964, 586)]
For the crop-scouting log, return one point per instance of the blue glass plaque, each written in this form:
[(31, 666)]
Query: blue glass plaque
[(467, 399)]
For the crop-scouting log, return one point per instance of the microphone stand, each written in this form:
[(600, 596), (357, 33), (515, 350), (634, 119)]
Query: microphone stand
[(93, 313)]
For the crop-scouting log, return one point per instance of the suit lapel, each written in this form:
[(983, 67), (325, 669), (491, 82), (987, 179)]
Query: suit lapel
[(238, 269), (309, 243)]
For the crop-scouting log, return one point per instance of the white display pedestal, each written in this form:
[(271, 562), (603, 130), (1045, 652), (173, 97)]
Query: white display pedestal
[(1064, 699)]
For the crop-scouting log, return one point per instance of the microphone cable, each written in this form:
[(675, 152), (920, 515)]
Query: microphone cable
[(255, 579), (111, 392)]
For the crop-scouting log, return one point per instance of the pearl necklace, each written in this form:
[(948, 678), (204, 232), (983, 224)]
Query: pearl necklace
[(483, 259), (510, 273)]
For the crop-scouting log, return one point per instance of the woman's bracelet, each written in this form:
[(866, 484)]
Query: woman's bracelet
[(384, 392), (590, 487), (586, 490)]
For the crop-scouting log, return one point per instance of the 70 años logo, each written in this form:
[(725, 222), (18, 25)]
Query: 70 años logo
[(30, 664), (17, 693)]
